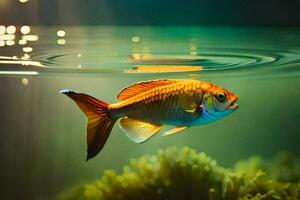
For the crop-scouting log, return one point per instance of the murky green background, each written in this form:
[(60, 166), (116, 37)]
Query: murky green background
[(42, 146)]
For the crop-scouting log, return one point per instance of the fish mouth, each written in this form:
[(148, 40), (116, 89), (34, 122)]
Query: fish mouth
[(233, 105)]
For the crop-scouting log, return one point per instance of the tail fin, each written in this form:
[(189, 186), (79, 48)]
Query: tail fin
[(99, 121)]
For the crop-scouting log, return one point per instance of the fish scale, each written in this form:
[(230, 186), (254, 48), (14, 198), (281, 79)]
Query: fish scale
[(159, 109), (160, 104)]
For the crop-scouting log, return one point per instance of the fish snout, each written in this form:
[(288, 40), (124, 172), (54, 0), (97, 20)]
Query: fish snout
[(233, 105)]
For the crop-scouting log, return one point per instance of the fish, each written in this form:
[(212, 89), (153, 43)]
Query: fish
[(144, 108)]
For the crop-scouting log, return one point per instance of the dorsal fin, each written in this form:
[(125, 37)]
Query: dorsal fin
[(138, 88)]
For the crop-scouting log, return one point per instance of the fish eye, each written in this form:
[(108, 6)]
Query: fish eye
[(221, 96)]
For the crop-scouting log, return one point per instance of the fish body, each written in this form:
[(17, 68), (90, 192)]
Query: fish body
[(145, 107)]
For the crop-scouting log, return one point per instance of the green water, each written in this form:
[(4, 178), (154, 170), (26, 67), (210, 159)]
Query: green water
[(43, 146)]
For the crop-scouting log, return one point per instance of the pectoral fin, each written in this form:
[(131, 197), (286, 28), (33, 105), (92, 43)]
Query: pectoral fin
[(174, 130), (139, 131), (187, 103)]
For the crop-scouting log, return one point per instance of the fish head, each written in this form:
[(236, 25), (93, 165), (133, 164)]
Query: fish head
[(219, 102)]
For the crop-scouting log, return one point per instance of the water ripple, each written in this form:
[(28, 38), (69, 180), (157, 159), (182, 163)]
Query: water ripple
[(211, 61), (112, 51)]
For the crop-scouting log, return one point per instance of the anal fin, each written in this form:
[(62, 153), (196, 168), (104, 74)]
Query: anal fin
[(139, 131), (174, 130)]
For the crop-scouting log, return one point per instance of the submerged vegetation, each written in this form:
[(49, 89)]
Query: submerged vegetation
[(175, 174)]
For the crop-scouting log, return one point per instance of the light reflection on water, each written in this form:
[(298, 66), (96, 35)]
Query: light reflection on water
[(25, 29), (8, 37), (115, 50), (163, 68)]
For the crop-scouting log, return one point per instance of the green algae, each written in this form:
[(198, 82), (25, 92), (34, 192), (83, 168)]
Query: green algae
[(284, 167), (185, 174)]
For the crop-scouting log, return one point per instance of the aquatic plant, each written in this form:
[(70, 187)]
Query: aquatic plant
[(186, 174), (284, 167)]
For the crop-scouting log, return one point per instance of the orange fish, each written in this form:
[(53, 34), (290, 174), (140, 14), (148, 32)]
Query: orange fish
[(145, 107)]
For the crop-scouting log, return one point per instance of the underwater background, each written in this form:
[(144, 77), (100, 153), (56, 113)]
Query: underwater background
[(43, 147)]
